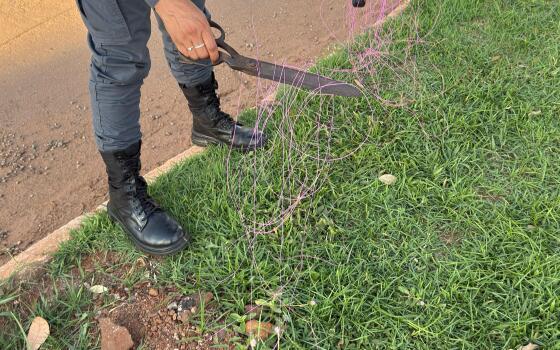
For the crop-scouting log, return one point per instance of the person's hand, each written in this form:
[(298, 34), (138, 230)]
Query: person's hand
[(188, 28)]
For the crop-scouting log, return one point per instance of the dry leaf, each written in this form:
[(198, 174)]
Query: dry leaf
[(140, 262), (38, 333), (529, 346), (98, 289), (260, 330), (388, 179)]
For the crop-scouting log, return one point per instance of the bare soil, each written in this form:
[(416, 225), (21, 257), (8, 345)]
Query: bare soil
[(49, 168), (158, 318)]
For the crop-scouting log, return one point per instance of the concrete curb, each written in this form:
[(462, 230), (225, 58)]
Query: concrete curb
[(396, 11), (41, 252)]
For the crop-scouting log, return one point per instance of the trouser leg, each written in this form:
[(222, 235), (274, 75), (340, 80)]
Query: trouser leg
[(210, 124), (186, 74), (118, 31)]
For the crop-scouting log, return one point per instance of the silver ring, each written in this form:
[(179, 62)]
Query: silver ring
[(199, 46), (190, 48)]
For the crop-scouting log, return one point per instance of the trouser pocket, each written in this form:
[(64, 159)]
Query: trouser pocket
[(105, 21)]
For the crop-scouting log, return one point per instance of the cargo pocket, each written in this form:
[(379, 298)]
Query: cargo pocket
[(104, 21)]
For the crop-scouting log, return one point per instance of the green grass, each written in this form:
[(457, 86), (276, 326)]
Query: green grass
[(462, 252), (67, 307)]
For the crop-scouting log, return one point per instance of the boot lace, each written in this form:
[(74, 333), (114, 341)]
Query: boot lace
[(138, 188), (222, 119), (146, 202)]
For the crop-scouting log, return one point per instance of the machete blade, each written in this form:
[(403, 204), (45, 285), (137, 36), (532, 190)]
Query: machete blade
[(291, 76)]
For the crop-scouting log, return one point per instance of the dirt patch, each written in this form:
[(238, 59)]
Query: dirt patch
[(492, 198), (168, 320), (450, 238), (15, 158), (155, 317)]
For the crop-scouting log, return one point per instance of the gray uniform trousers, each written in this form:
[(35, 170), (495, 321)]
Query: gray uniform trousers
[(118, 31)]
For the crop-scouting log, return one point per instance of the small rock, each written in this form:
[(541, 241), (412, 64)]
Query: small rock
[(172, 306), (140, 262), (184, 316), (153, 292), (260, 330), (98, 289), (186, 303), (208, 297), (114, 337), (388, 179)]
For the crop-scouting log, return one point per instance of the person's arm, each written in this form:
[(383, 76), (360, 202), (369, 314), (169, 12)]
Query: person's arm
[(188, 27)]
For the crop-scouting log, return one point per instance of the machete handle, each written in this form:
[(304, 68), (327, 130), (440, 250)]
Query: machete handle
[(358, 3), (220, 41)]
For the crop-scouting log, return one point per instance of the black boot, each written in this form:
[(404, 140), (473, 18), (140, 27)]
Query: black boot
[(211, 125), (151, 229)]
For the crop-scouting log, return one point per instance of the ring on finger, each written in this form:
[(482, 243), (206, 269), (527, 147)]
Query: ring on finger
[(190, 48), (199, 46)]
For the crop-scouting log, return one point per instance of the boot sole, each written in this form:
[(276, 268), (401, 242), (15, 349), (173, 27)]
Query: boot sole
[(169, 250), (205, 141)]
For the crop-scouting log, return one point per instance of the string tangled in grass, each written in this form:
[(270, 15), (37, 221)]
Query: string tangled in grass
[(275, 188), (310, 131)]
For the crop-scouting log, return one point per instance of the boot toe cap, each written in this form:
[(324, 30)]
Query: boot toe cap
[(249, 138), (162, 231)]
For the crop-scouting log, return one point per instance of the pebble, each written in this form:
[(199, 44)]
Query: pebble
[(153, 292), (3, 234), (184, 316), (388, 179), (114, 337)]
